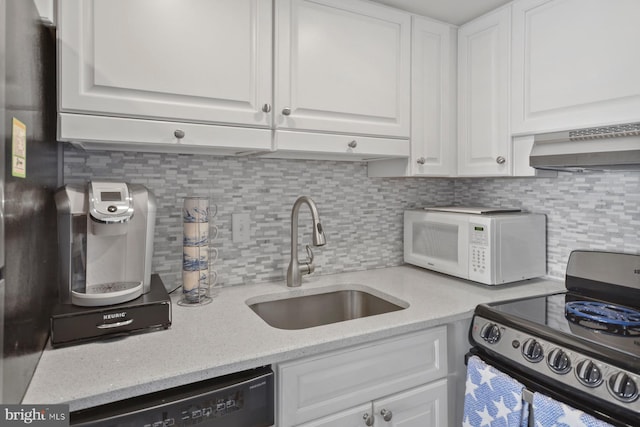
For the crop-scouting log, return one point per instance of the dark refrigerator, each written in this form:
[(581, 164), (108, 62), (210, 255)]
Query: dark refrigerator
[(29, 159)]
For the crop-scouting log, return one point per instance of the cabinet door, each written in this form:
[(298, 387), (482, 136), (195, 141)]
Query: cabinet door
[(314, 387), (483, 94), (354, 417), (575, 64), (182, 60), (342, 66), (424, 406), (433, 98)]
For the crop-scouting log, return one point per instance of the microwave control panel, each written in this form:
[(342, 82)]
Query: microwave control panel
[(479, 254)]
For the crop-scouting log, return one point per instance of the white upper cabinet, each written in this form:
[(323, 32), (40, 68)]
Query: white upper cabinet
[(342, 66), (195, 61), (433, 79), (484, 137), (575, 64), (433, 103)]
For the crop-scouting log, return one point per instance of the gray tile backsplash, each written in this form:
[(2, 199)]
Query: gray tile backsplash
[(591, 210), (362, 216)]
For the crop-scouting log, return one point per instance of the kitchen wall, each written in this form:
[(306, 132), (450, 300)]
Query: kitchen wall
[(362, 216)]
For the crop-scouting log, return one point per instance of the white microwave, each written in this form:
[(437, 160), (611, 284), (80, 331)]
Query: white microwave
[(480, 245)]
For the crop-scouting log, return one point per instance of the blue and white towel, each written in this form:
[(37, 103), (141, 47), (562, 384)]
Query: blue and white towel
[(548, 412), (492, 398)]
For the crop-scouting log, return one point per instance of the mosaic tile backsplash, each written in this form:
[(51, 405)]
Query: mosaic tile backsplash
[(591, 210), (361, 216)]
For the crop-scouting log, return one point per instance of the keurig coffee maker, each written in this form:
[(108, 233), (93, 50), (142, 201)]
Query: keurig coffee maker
[(105, 237), (105, 240)]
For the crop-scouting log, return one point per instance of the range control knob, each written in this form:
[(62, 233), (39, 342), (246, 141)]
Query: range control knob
[(588, 373), (490, 332), (558, 361), (622, 387), (532, 350)]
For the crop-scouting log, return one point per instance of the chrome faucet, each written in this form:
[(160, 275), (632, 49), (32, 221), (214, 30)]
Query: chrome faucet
[(295, 270)]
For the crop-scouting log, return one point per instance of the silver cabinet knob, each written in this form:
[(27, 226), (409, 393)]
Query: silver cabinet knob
[(421, 161), (368, 419), (500, 160), (286, 111), (386, 415), (266, 108), (178, 133), (353, 144)]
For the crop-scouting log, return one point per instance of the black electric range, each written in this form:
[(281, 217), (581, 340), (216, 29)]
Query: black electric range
[(581, 346)]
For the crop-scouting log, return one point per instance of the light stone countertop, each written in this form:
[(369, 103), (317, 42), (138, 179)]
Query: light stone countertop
[(226, 336)]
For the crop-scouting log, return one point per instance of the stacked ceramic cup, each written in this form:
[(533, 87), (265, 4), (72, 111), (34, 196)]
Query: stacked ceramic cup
[(197, 254)]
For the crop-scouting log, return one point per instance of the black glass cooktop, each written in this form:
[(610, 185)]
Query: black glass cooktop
[(612, 325)]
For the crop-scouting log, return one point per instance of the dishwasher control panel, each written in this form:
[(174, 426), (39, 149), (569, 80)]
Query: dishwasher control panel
[(242, 399)]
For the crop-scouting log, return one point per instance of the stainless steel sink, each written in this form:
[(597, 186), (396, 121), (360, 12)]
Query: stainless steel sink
[(307, 311)]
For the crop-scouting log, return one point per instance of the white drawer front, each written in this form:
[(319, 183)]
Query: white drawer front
[(313, 387)]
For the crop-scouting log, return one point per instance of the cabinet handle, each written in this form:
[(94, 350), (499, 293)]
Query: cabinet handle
[(422, 161), (353, 144), (368, 419), (266, 108), (178, 133), (500, 160), (286, 111), (386, 415)]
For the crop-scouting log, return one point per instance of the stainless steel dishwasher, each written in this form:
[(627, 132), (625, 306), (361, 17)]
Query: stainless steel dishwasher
[(243, 399)]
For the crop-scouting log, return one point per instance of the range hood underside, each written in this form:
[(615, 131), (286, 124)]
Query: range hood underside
[(553, 152), (619, 160)]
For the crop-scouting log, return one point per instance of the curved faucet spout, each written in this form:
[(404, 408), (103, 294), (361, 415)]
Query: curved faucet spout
[(295, 270)]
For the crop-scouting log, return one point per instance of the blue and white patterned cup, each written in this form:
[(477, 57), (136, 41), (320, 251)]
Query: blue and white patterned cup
[(197, 257), (196, 209), (198, 234), (196, 284)]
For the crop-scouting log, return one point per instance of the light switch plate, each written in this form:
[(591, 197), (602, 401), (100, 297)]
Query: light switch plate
[(240, 227)]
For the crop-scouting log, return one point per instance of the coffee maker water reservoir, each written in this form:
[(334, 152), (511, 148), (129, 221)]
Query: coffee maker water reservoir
[(105, 238)]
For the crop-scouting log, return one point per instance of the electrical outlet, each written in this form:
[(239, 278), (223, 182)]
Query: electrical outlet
[(240, 228)]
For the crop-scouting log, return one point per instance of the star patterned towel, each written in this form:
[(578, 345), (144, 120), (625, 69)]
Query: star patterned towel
[(492, 398), (548, 412)]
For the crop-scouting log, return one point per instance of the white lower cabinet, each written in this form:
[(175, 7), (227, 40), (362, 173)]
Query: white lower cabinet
[(402, 379), (424, 406), (352, 417)]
